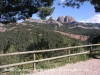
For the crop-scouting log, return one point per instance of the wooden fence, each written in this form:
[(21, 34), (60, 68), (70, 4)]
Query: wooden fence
[(49, 50)]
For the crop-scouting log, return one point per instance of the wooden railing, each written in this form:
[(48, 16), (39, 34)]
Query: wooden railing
[(49, 50)]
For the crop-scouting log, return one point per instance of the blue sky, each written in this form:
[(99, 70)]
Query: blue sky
[(86, 11)]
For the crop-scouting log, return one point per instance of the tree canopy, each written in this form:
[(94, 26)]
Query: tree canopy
[(13, 10), (78, 3)]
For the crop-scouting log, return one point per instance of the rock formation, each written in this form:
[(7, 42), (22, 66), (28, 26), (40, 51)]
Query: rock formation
[(69, 19), (61, 19), (66, 19), (52, 20)]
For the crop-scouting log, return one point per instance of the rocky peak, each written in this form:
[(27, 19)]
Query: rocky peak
[(66, 19), (61, 19), (69, 19), (52, 20)]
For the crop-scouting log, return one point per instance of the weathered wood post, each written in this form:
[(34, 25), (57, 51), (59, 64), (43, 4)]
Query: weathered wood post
[(34, 64), (91, 50), (69, 56)]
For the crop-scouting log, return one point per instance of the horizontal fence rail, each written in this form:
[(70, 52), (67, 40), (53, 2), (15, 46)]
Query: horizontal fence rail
[(48, 50), (34, 61)]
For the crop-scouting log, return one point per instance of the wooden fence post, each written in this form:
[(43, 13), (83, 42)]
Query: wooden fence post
[(91, 50), (69, 56), (34, 64)]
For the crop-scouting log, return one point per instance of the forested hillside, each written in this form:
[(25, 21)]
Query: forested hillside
[(29, 36), (35, 36)]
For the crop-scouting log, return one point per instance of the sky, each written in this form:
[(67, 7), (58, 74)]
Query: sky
[(86, 11)]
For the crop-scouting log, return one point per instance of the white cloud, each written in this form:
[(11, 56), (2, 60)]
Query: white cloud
[(94, 19), (63, 1)]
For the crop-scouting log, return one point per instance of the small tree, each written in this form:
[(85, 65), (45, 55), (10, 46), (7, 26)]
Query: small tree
[(11, 59)]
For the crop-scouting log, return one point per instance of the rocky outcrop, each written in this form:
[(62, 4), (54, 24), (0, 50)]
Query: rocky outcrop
[(34, 20), (52, 20), (69, 19), (61, 19), (65, 19)]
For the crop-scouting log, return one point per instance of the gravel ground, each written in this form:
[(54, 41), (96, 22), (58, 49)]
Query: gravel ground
[(89, 67)]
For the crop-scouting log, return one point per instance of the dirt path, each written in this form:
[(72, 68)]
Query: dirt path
[(89, 67)]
